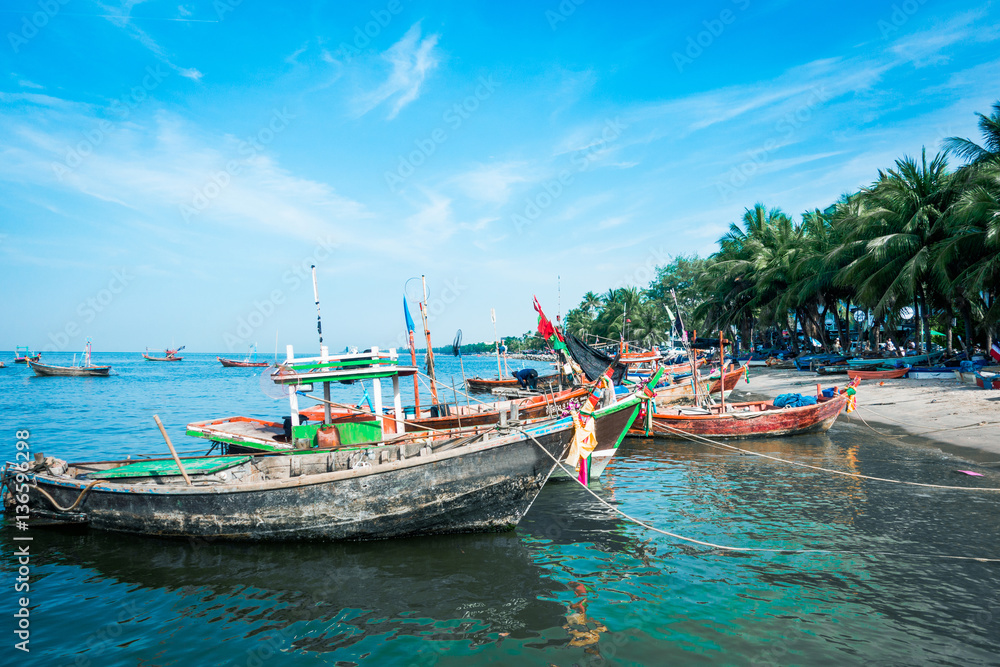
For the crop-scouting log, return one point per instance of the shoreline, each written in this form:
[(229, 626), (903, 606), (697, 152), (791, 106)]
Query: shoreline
[(957, 418)]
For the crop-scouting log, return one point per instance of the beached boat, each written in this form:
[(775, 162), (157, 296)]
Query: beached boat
[(478, 385), (912, 359), (809, 362), (168, 355), (85, 369), (23, 355), (832, 369), (932, 373), (878, 373), (754, 419)]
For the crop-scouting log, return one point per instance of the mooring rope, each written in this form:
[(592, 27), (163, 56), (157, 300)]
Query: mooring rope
[(700, 438), (723, 547)]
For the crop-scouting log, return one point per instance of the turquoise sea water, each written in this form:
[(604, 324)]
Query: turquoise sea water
[(574, 584)]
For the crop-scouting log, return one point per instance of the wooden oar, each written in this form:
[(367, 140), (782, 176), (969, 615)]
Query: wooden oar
[(173, 451)]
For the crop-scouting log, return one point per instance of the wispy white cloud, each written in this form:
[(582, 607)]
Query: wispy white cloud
[(927, 47), (121, 16), (491, 183), (411, 59), (167, 170)]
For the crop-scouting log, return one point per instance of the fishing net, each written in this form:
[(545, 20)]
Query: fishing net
[(593, 362)]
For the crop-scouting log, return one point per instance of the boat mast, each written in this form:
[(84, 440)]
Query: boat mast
[(493, 316), (722, 370), (323, 351), (430, 350), (687, 344)]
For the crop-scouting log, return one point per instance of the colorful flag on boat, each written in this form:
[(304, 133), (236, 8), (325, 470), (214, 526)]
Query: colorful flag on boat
[(410, 326), (746, 371), (549, 332), (852, 398), (995, 352)]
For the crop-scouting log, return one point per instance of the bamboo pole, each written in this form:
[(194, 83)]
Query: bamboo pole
[(173, 452), (722, 371), (430, 350), (493, 316)]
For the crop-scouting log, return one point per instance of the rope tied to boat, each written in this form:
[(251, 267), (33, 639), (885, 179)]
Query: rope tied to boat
[(72, 507), (694, 437), (723, 547)]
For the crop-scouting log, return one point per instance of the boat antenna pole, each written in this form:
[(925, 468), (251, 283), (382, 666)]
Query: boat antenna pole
[(430, 350), (322, 348), (493, 316), (319, 318)]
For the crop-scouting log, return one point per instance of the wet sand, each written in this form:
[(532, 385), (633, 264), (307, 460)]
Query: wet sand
[(959, 418)]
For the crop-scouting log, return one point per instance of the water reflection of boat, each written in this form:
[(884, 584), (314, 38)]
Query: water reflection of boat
[(455, 587)]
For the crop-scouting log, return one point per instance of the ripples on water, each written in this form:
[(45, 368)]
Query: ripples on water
[(574, 584)]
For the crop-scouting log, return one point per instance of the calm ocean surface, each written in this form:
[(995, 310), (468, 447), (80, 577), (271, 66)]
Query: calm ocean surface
[(575, 584)]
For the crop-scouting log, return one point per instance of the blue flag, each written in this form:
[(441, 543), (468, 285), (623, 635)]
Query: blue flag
[(410, 327)]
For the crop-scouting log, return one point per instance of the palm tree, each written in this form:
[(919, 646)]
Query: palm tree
[(894, 239), (591, 303), (973, 152)]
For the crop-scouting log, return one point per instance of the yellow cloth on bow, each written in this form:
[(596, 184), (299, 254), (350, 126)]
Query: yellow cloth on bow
[(584, 439)]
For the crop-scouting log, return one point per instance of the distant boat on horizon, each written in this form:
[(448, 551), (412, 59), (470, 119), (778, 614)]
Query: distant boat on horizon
[(168, 355), (85, 369)]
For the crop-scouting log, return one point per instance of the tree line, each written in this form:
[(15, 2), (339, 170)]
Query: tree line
[(921, 244)]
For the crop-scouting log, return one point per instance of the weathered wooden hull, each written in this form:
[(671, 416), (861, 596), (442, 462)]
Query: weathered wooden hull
[(69, 371), (484, 385), (894, 374), (233, 363), (730, 378), (149, 358), (766, 423), (485, 486)]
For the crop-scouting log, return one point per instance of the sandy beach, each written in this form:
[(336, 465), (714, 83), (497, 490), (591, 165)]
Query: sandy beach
[(959, 418)]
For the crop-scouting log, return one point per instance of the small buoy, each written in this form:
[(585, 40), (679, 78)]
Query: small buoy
[(881, 384), (970, 472)]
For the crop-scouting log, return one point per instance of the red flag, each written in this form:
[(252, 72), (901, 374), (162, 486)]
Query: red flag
[(545, 328), (995, 351)]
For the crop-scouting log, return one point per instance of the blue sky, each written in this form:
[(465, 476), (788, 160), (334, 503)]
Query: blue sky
[(169, 171)]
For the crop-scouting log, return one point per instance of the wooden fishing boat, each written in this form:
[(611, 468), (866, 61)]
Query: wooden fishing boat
[(754, 419), (728, 381), (809, 362), (168, 355), (880, 373), (486, 385), (832, 369), (234, 363), (23, 355), (483, 482), (249, 362), (78, 371), (683, 391), (85, 369)]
